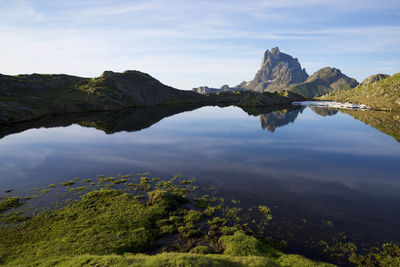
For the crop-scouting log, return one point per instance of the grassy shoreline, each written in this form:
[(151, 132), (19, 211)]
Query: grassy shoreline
[(144, 221)]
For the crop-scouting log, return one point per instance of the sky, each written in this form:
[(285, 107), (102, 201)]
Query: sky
[(187, 44)]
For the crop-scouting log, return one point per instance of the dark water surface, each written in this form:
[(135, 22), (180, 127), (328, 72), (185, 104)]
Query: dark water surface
[(324, 173)]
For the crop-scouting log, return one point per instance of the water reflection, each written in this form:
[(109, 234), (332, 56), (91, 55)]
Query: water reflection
[(348, 176), (128, 120), (273, 120), (324, 111), (386, 122), (270, 117)]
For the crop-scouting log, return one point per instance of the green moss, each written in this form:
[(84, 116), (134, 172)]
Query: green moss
[(44, 191), (210, 211), (111, 222), (201, 203), (201, 250), (9, 203), (193, 233), (68, 183), (167, 229), (193, 216), (13, 218), (120, 181), (105, 221), (266, 212), (108, 179), (229, 230), (241, 244)]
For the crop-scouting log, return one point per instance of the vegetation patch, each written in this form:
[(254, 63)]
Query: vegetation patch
[(105, 226), (9, 203), (383, 94)]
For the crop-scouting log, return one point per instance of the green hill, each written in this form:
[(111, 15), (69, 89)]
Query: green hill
[(323, 81), (381, 92)]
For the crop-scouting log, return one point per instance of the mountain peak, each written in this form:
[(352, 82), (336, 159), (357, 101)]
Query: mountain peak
[(275, 51), (277, 71)]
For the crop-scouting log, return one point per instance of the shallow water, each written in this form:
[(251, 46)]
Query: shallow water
[(323, 172)]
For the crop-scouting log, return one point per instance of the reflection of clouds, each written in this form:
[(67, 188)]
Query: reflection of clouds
[(17, 164), (300, 159)]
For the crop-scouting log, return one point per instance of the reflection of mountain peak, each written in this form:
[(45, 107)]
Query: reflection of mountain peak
[(324, 111), (273, 120)]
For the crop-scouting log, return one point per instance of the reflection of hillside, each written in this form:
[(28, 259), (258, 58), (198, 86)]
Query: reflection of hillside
[(324, 111), (386, 122), (273, 120), (109, 122)]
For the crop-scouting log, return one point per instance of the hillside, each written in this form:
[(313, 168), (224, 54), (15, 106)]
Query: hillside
[(324, 81), (27, 97), (31, 97), (381, 92)]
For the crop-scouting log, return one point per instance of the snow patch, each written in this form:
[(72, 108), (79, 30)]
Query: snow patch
[(331, 104)]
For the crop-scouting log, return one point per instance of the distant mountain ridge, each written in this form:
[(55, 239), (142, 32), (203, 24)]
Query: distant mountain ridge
[(280, 71)]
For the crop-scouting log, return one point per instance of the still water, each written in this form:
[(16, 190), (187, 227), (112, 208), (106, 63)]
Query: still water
[(324, 173)]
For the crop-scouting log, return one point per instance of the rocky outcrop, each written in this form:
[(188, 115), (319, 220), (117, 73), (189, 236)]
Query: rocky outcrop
[(374, 78), (207, 90), (324, 81), (277, 71)]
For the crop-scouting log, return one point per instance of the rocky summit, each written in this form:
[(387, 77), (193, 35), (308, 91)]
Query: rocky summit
[(277, 71)]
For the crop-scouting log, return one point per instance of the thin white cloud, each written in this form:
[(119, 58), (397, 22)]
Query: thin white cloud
[(18, 9), (118, 10)]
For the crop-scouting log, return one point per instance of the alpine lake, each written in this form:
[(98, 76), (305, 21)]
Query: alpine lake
[(326, 175)]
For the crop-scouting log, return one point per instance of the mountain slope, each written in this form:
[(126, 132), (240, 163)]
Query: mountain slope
[(27, 97), (377, 91), (324, 81)]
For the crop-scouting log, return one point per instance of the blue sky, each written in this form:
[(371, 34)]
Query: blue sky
[(192, 43)]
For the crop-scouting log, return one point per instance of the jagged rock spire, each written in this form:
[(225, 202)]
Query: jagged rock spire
[(277, 71)]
